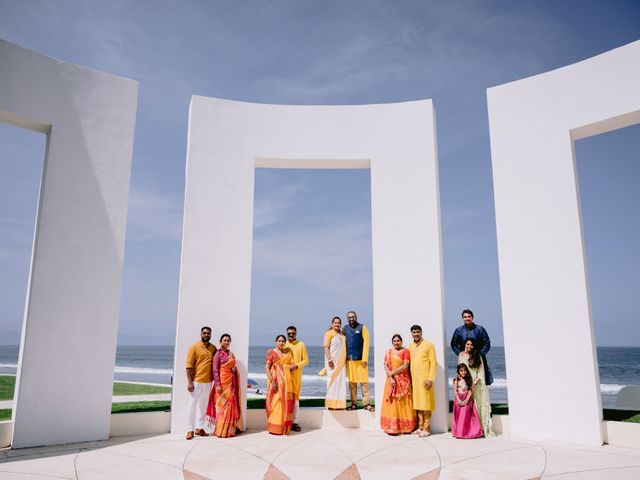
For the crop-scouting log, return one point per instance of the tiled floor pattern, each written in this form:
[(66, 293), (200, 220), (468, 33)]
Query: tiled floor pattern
[(319, 454)]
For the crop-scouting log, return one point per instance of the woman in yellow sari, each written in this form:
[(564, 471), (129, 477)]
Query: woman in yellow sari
[(280, 394), (224, 400), (397, 415)]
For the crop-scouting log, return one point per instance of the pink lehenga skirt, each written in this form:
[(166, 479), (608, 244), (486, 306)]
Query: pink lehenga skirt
[(465, 422)]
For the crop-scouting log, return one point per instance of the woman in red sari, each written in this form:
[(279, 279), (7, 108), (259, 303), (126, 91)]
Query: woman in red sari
[(224, 400), (280, 394), (397, 415)]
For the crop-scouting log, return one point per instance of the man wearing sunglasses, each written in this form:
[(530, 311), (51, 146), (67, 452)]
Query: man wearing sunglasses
[(300, 360)]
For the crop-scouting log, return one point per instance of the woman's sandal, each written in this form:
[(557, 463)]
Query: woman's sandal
[(369, 408), (352, 407)]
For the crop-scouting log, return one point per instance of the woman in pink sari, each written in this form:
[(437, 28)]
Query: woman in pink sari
[(224, 400), (280, 394)]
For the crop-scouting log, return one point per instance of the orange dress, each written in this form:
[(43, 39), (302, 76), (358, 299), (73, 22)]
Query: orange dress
[(224, 407), (280, 401), (397, 415)]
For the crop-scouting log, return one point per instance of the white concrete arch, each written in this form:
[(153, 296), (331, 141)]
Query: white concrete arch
[(228, 140), (548, 332), (68, 346)]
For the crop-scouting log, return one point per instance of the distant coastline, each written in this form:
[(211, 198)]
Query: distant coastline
[(619, 366)]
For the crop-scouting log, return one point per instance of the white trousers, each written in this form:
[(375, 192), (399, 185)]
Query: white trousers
[(197, 408), (296, 412)]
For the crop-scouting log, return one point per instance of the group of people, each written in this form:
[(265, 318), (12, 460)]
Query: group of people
[(219, 403), (346, 351), (471, 403), (213, 384), (408, 399)]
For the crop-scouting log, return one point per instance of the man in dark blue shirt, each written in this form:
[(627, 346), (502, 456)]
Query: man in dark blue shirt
[(480, 337)]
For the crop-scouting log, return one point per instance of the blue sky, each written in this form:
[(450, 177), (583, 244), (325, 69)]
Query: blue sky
[(312, 229)]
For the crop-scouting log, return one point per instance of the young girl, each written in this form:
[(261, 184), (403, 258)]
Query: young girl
[(465, 423)]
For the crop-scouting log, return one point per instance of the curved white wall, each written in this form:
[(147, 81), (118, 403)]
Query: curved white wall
[(68, 346), (550, 354), (228, 140)]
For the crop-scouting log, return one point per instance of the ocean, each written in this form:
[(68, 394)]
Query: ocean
[(619, 366)]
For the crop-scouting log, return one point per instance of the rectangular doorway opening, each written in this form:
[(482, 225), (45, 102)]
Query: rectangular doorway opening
[(21, 162), (312, 261), (608, 167)]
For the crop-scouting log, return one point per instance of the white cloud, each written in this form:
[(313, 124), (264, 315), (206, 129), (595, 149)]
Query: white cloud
[(154, 216), (330, 259), (273, 207)]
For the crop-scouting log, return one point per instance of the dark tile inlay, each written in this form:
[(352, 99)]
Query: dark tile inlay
[(273, 473), (350, 473), (193, 476), (430, 475)]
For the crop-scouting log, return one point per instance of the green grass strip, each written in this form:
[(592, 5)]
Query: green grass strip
[(634, 419), (5, 414), (120, 388), (130, 407), (631, 416), (7, 386)]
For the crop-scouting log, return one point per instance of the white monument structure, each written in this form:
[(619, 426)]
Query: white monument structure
[(72, 305), (228, 140), (67, 354), (548, 330)]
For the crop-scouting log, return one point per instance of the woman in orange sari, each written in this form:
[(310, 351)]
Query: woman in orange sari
[(280, 394), (397, 415), (224, 400)]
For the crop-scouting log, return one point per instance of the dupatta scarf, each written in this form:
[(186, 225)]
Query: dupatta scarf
[(402, 386)]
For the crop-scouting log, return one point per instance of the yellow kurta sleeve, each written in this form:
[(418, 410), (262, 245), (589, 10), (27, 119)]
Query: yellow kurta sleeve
[(431, 354), (327, 338), (191, 357), (365, 346), (304, 357)]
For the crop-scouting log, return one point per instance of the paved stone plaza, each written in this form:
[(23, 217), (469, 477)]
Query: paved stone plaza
[(319, 454)]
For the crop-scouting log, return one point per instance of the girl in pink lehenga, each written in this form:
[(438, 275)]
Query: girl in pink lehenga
[(465, 423)]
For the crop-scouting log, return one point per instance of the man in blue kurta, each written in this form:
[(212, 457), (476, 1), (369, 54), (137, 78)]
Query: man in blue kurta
[(479, 336), (357, 339)]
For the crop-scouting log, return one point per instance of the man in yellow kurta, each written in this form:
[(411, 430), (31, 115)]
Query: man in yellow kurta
[(423, 374), (357, 339), (300, 360)]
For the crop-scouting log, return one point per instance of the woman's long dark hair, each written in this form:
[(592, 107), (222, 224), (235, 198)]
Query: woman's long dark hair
[(467, 378), (475, 360)]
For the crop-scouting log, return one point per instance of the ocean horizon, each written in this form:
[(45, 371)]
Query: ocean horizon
[(618, 366)]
